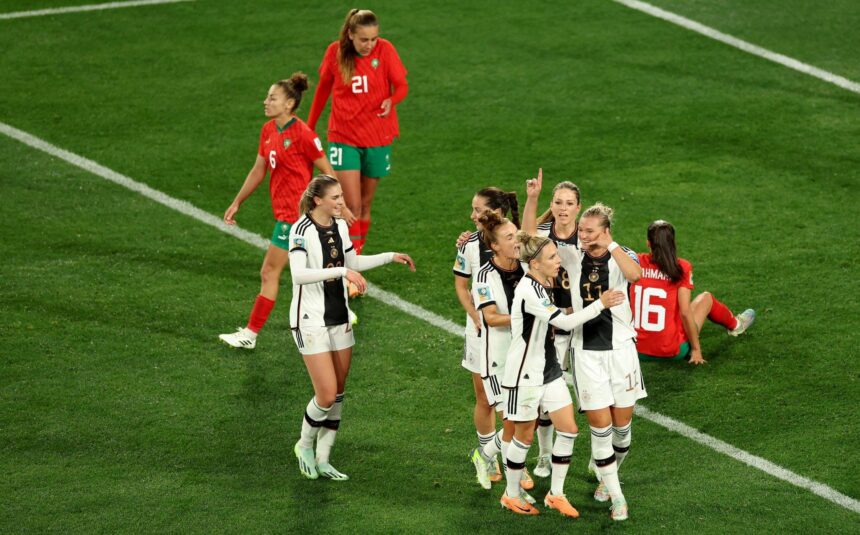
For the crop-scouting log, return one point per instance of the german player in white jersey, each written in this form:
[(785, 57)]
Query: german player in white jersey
[(608, 380), (322, 260), (558, 223), (532, 378), (471, 255), (492, 292)]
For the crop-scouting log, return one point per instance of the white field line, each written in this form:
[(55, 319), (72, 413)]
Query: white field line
[(707, 31), (90, 7), (393, 300)]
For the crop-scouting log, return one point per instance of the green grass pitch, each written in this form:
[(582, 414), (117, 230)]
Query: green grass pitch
[(119, 410)]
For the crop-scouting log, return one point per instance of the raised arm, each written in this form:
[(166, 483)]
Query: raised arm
[(533, 188)]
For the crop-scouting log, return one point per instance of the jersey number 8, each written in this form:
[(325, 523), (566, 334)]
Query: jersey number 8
[(643, 309)]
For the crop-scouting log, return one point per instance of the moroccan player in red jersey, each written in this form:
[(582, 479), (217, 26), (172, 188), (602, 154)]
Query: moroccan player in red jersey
[(289, 150), (366, 80), (667, 323)]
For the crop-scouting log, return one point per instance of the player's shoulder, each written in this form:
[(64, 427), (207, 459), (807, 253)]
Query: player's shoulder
[(384, 45), (471, 243), (302, 226), (545, 227), (685, 264), (486, 272), (268, 126), (331, 50)]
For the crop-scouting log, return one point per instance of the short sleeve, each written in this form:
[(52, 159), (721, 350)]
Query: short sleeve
[(297, 242), (687, 275), (538, 304), (261, 149), (482, 294), (631, 253), (462, 266), (312, 148)]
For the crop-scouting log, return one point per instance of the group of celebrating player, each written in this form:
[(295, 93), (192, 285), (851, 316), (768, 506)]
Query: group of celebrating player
[(556, 295), (545, 296)]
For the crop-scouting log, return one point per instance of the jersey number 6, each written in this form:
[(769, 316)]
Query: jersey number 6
[(272, 160)]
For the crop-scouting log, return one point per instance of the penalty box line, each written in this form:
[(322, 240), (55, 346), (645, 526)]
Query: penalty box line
[(414, 310)]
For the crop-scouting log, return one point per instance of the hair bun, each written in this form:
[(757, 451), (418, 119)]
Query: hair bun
[(299, 81)]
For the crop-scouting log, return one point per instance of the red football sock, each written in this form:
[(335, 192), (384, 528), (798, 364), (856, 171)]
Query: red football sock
[(260, 313), (364, 226), (355, 235), (721, 314)]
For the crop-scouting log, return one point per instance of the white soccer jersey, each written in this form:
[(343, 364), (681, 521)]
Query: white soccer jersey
[(495, 286), (323, 303), (561, 285), (531, 339), (470, 257), (613, 326)]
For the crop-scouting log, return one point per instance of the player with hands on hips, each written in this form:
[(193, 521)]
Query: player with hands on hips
[(288, 150), (533, 379), (322, 260)]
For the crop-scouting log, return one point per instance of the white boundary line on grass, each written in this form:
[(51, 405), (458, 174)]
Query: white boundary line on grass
[(90, 7), (707, 31), (393, 300)]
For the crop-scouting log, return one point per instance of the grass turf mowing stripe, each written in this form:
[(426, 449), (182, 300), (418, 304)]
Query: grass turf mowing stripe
[(388, 298), (89, 7), (707, 31)]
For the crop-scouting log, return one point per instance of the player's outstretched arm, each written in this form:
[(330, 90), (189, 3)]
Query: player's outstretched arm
[(365, 262), (302, 274), (252, 181), (568, 322)]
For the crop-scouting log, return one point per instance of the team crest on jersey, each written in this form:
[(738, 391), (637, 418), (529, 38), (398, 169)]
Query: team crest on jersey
[(484, 294), (287, 143), (298, 242), (593, 276), (374, 63), (333, 252)]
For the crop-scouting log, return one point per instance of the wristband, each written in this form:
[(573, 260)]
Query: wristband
[(612, 246)]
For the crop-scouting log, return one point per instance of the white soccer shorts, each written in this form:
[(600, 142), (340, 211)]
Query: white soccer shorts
[(525, 402), (609, 378), (314, 340), (472, 353)]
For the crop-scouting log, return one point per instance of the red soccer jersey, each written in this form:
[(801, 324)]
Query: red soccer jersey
[(355, 106), (656, 315), (290, 153)]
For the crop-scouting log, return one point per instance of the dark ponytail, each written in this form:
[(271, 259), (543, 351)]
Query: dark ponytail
[(346, 51), (294, 87), (661, 236), (506, 201)]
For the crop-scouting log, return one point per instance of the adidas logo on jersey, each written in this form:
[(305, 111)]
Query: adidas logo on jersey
[(306, 317), (331, 240)]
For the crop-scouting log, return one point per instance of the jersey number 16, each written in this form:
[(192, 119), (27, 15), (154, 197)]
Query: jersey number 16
[(644, 309)]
